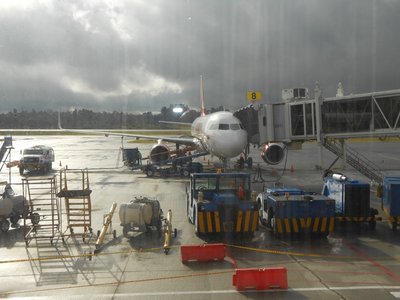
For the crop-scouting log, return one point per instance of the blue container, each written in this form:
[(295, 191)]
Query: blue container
[(391, 196), (352, 197)]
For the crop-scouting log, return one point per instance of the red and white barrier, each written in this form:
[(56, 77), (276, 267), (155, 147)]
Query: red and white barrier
[(202, 253), (260, 278)]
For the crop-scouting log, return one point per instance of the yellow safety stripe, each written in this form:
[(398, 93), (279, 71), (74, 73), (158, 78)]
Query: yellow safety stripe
[(217, 222), (331, 224), (255, 221), (239, 221), (302, 223), (295, 227), (308, 222), (316, 223), (246, 221), (200, 222), (209, 224), (279, 225), (323, 225), (287, 225)]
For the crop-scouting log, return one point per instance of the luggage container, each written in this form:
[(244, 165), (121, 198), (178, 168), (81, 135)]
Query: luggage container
[(391, 200), (352, 200)]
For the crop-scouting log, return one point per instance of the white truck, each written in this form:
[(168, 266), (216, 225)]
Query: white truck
[(36, 158)]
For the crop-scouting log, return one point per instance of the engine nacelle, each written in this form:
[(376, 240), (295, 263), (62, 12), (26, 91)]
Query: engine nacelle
[(272, 153), (159, 152)]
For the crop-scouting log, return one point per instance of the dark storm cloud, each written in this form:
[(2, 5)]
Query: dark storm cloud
[(142, 55)]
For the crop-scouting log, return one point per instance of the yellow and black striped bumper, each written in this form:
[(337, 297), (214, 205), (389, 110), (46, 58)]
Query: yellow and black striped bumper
[(300, 225), (392, 219), (244, 222)]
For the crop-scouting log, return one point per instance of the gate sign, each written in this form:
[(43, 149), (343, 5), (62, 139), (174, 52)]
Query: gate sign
[(254, 96)]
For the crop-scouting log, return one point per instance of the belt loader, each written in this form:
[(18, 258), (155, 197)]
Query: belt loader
[(220, 203)]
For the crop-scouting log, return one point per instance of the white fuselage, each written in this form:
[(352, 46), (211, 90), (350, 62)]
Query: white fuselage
[(221, 134)]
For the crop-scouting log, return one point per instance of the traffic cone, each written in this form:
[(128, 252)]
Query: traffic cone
[(273, 173)]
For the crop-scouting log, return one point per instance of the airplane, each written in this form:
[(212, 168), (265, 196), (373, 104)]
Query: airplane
[(219, 134)]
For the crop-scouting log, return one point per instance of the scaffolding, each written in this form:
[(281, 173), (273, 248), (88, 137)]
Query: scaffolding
[(43, 222), (76, 192)]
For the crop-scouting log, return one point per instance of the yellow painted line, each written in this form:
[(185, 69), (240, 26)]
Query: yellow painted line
[(209, 223), (255, 221), (239, 221), (290, 253), (246, 221), (308, 222), (323, 225), (201, 222), (287, 225), (217, 222), (316, 223)]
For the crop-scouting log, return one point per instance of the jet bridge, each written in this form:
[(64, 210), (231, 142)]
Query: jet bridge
[(297, 118)]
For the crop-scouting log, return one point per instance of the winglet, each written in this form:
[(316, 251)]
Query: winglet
[(202, 109)]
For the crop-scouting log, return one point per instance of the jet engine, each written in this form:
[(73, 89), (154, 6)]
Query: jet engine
[(159, 152), (272, 153)]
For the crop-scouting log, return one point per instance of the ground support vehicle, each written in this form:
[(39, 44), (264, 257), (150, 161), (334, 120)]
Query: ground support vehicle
[(391, 200), (142, 214), (291, 212), (13, 208), (352, 200), (222, 203), (36, 158), (131, 157), (184, 169)]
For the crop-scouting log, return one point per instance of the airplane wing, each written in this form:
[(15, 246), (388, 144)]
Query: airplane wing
[(187, 140)]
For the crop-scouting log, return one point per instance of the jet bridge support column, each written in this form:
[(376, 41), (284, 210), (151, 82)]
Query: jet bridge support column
[(318, 120)]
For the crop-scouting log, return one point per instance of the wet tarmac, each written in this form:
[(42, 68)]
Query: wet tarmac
[(346, 265)]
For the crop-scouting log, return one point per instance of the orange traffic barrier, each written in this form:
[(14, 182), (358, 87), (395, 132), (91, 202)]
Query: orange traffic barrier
[(260, 278), (204, 252)]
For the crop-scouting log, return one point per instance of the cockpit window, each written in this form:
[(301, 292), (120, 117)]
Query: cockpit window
[(235, 126), (223, 127), (213, 127)]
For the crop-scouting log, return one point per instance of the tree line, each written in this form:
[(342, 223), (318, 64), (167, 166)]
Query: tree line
[(88, 119)]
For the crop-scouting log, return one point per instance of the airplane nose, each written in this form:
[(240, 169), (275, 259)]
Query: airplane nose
[(232, 144)]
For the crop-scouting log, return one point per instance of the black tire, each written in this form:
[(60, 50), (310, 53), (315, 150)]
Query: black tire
[(4, 225), (150, 172), (372, 224), (35, 218), (125, 231), (394, 226), (14, 220)]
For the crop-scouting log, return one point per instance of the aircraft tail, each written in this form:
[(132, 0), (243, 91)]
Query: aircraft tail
[(202, 108)]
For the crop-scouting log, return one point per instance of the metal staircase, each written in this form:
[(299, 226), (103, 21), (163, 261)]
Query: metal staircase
[(5, 151), (356, 160)]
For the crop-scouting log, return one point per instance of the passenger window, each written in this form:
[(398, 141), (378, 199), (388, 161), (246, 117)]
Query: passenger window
[(223, 127)]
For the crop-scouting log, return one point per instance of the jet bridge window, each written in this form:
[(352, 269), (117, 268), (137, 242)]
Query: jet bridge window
[(223, 127)]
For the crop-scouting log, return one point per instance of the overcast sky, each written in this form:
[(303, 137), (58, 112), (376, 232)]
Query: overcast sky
[(140, 55)]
